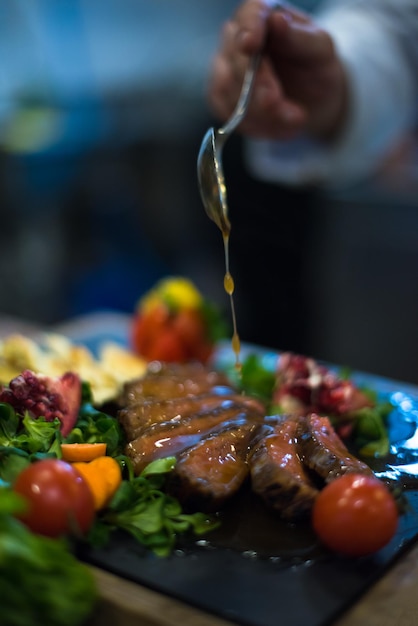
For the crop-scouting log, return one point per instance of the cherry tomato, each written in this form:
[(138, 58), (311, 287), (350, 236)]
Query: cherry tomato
[(168, 347), (59, 500), (173, 337), (190, 326), (146, 328), (355, 515)]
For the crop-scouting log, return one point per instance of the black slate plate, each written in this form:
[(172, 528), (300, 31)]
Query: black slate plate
[(258, 571)]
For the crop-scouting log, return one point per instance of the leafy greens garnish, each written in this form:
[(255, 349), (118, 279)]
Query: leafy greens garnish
[(142, 508), (218, 328), (45, 583), (368, 426), (23, 440), (95, 426), (370, 430), (25, 433), (256, 379)]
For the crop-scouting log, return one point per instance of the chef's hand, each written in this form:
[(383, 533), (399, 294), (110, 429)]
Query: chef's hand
[(300, 85)]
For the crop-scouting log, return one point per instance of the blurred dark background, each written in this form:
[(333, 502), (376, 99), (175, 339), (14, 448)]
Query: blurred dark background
[(102, 111)]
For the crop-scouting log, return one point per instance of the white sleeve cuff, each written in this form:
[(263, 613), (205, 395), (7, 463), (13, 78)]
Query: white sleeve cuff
[(382, 109)]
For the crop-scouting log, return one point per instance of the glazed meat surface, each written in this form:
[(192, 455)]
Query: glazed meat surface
[(173, 437), (211, 472), (278, 474), (223, 440), (141, 415), (323, 451), (165, 382)]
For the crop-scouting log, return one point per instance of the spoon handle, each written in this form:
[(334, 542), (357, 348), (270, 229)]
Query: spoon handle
[(244, 97), (245, 94)]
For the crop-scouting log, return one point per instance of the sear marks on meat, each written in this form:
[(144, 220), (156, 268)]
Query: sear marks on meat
[(174, 436), (323, 451), (213, 471), (223, 440), (168, 381), (137, 417), (278, 475), (166, 387)]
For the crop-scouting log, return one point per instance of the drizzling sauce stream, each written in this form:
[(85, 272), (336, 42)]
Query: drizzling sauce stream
[(229, 288), (220, 217)]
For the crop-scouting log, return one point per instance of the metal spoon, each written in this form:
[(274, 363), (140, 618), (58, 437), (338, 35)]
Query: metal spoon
[(209, 161)]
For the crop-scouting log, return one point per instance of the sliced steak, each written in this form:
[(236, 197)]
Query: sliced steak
[(191, 369), (323, 451), (173, 437), (171, 380), (278, 474), (167, 387), (137, 417), (212, 471)]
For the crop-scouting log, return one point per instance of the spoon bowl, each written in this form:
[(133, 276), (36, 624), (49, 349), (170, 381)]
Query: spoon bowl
[(212, 181), (209, 161)]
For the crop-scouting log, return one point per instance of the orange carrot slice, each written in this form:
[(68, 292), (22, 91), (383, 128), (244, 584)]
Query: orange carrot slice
[(97, 484), (109, 469), (72, 452), (103, 475)]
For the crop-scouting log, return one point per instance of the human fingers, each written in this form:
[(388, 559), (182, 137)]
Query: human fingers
[(307, 84), (281, 122), (225, 84), (310, 72), (270, 113), (226, 74), (241, 37), (300, 41), (254, 19), (250, 20)]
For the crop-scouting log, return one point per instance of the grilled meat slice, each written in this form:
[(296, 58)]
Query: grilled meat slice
[(175, 380), (322, 450), (167, 387), (278, 474), (173, 437), (212, 471), (137, 417), (191, 369)]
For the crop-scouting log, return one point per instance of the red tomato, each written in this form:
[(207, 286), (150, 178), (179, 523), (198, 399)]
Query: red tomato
[(138, 334), (176, 337), (59, 499), (146, 328), (168, 347), (355, 515), (191, 327)]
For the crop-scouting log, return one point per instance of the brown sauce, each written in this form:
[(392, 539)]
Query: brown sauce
[(229, 288), (249, 528)]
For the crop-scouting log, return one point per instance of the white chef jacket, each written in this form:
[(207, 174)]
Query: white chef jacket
[(377, 41)]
